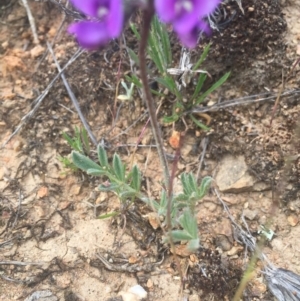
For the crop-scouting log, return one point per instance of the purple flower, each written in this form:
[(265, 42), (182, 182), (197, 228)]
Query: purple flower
[(186, 15), (105, 22)]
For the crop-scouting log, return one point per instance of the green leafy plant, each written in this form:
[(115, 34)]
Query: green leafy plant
[(160, 52), (127, 186), (79, 142)]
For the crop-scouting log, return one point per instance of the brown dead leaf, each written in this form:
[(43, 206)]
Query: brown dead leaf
[(42, 192), (174, 140)]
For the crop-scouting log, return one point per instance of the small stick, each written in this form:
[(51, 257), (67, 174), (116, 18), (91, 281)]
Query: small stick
[(20, 263), (31, 22), (239, 101), (73, 98)]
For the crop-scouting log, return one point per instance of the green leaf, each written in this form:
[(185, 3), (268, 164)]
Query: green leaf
[(170, 119), (133, 79), (187, 189), (215, 86), (201, 80), (205, 184), (135, 31), (133, 56), (83, 162), (192, 182), (119, 168), (102, 156), (180, 235), (199, 124), (111, 187), (202, 58), (193, 244), (170, 84), (163, 204), (189, 224), (108, 215), (96, 172), (85, 140), (136, 178)]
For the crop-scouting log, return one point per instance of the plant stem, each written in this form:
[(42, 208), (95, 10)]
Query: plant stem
[(147, 17)]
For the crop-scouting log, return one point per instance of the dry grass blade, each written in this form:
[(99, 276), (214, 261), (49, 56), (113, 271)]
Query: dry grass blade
[(284, 284)]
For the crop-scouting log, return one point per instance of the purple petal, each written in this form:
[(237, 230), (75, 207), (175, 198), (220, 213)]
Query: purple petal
[(90, 35), (190, 39), (88, 7), (165, 9), (186, 21), (115, 18), (207, 7)]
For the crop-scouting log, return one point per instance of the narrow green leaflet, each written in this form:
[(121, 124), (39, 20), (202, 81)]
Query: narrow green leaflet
[(96, 172), (215, 86), (189, 224), (193, 244), (102, 156), (83, 162), (204, 186), (199, 124), (201, 80), (119, 168), (136, 178), (180, 235), (108, 215), (202, 58)]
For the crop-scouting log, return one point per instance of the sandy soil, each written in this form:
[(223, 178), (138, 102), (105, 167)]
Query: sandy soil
[(49, 215)]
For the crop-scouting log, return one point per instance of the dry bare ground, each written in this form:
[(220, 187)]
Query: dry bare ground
[(51, 238)]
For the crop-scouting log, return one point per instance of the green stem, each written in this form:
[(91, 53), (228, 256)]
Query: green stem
[(147, 17)]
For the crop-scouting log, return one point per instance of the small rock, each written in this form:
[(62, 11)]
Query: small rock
[(210, 206), (234, 250), (250, 214), (233, 175), (258, 287), (37, 51), (224, 228), (128, 296), (75, 189), (41, 296), (42, 192), (150, 283), (293, 220), (223, 242), (153, 219), (139, 291)]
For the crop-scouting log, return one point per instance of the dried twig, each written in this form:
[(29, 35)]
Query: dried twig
[(31, 22), (241, 101), (73, 98), (20, 263)]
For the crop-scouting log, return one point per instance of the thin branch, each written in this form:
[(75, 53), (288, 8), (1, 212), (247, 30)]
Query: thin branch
[(31, 22), (73, 98), (148, 14)]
